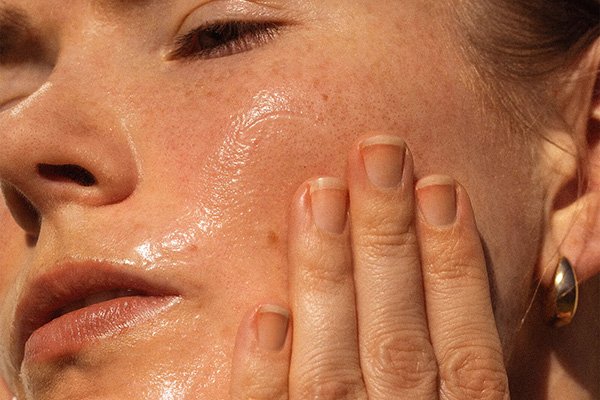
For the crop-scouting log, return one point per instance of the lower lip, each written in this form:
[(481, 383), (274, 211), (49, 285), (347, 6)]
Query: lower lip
[(72, 332)]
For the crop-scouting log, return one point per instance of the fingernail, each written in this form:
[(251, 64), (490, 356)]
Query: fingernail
[(384, 160), (329, 198), (436, 196), (272, 327)]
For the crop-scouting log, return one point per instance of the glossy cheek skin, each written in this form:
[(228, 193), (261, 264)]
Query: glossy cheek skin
[(223, 144), (12, 255)]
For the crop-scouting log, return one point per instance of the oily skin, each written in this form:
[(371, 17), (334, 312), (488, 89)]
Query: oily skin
[(10, 256), (218, 148)]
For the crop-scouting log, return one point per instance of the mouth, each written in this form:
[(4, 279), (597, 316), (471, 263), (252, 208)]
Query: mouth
[(76, 305)]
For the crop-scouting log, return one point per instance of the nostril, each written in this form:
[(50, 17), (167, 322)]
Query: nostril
[(67, 173)]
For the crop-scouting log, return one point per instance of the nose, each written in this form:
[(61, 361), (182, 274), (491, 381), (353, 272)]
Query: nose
[(61, 146)]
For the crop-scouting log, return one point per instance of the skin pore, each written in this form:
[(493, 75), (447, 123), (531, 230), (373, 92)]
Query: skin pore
[(197, 157)]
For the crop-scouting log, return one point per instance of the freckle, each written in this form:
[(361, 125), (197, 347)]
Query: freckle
[(325, 97), (272, 237)]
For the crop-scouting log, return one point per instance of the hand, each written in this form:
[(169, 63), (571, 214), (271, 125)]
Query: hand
[(391, 304)]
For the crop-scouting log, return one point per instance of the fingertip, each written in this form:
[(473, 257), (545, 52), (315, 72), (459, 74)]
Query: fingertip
[(272, 327), (298, 212), (465, 212), (329, 204), (380, 161), (262, 352), (301, 199), (443, 203), (437, 200), (264, 327)]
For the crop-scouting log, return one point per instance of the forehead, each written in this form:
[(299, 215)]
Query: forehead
[(67, 3), (22, 21), (46, 10), (49, 16), (120, 5)]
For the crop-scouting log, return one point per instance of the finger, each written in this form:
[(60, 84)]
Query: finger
[(396, 356), (325, 361), (459, 309), (262, 355)]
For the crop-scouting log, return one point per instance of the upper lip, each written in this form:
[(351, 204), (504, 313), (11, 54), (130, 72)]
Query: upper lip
[(67, 283)]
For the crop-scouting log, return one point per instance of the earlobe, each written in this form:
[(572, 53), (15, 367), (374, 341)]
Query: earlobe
[(573, 205), (576, 236)]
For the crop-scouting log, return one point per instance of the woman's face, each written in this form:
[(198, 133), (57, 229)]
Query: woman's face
[(196, 140)]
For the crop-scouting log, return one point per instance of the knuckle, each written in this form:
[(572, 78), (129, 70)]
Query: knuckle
[(319, 278), (375, 245), (391, 211), (476, 373), (262, 392), (451, 271), (332, 387), (260, 383), (326, 269), (385, 234), (332, 373), (454, 264), (385, 225), (403, 362)]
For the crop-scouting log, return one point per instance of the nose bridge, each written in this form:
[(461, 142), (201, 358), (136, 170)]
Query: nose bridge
[(66, 144)]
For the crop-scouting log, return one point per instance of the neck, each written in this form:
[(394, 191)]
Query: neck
[(561, 364)]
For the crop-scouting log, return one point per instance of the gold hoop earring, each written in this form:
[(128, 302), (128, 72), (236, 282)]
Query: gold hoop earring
[(563, 295)]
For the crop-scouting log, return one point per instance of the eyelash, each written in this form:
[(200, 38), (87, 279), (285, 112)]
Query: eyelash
[(222, 39)]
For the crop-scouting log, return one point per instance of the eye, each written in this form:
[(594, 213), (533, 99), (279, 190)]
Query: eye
[(224, 39)]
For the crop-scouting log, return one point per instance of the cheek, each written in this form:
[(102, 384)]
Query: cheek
[(228, 153), (249, 149), (234, 148), (12, 239)]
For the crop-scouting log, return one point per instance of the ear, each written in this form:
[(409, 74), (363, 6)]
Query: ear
[(573, 157)]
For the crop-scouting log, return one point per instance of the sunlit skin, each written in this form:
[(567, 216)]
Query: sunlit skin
[(198, 160)]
